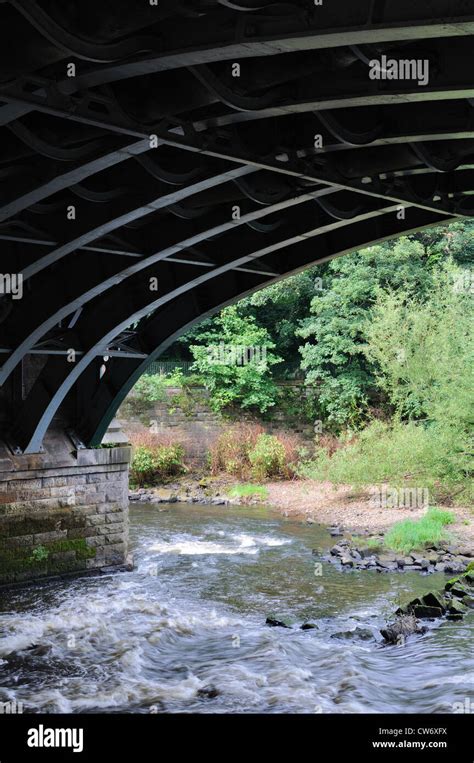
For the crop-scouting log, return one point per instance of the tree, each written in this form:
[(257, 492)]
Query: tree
[(333, 355), (216, 354)]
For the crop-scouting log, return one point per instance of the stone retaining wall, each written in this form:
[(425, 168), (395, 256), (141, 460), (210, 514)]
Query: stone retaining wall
[(191, 420), (62, 511)]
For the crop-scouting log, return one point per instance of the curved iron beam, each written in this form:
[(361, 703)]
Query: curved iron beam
[(160, 203), (204, 145), (43, 319), (50, 151), (73, 177), (270, 44)]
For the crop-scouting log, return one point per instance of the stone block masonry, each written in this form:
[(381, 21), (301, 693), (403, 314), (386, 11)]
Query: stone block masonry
[(62, 511)]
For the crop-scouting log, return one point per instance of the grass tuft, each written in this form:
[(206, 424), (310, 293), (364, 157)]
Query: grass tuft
[(409, 535)]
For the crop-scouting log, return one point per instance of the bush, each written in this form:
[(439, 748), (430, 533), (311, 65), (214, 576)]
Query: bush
[(407, 535), (244, 450), (247, 385), (267, 457), (230, 452), (150, 389), (154, 460), (142, 468), (400, 454)]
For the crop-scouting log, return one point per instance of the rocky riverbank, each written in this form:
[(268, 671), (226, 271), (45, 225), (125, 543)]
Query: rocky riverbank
[(195, 491), (369, 554)]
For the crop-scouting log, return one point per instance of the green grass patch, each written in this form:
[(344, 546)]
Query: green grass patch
[(409, 534), (373, 543), (249, 491)]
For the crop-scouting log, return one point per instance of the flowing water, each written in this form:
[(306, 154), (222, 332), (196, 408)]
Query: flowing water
[(185, 632)]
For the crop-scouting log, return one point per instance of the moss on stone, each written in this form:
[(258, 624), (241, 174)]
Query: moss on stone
[(18, 560)]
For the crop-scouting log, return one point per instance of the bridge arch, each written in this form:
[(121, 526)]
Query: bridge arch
[(155, 162)]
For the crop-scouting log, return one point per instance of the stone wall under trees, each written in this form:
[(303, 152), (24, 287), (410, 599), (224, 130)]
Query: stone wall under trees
[(186, 416)]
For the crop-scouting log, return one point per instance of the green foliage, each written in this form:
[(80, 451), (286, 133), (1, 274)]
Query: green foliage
[(424, 352), (409, 534), (151, 388), (244, 450), (400, 454), (40, 554), (248, 386), (151, 464), (333, 354), (249, 491), (267, 457), (142, 468), (230, 452)]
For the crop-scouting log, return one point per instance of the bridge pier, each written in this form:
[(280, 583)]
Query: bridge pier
[(63, 510)]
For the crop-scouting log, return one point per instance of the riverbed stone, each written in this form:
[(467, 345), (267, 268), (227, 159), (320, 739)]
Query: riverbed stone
[(364, 634), (276, 623), (424, 612), (434, 600)]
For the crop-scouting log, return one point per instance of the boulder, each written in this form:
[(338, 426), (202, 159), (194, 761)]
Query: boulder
[(427, 613), (208, 692), (364, 634), (456, 608), (434, 600), (346, 560), (404, 625), (309, 626), (459, 590), (276, 623)]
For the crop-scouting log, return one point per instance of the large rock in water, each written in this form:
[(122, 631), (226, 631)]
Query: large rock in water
[(276, 623), (404, 625), (434, 600), (427, 613), (364, 634)]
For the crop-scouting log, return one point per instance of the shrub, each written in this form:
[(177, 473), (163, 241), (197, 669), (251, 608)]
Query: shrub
[(409, 534), (230, 452), (400, 454), (142, 468), (294, 452), (244, 450), (267, 457), (247, 384), (150, 389), (169, 460), (155, 459)]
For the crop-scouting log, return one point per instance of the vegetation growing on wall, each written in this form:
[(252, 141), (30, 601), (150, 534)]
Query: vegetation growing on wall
[(155, 459)]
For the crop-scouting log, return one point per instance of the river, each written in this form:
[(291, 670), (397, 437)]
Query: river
[(186, 632)]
